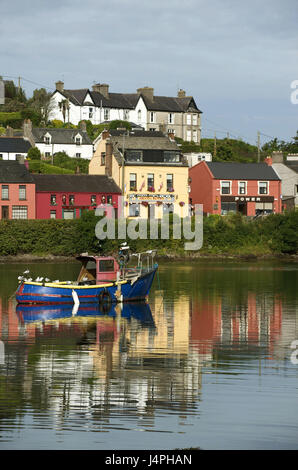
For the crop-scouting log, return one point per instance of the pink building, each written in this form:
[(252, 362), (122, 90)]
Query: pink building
[(248, 188), (17, 191), (66, 196)]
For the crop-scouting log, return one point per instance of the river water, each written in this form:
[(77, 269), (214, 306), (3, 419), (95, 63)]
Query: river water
[(206, 363)]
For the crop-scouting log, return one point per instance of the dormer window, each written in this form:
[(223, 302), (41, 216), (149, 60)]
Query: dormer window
[(47, 139), (78, 140)]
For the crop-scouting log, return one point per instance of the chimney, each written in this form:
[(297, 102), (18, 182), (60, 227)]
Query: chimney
[(105, 134), (102, 88), (83, 126), (146, 91), (27, 132), (60, 86), (181, 94), (171, 136), (20, 159), (9, 131), (268, 160), (109, 153), (277, 157)]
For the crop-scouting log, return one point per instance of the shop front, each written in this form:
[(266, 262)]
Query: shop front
[(152, 205), (247, 205)]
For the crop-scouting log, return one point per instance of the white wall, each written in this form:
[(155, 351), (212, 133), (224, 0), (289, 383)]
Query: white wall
[(86, 151), (11, 155)]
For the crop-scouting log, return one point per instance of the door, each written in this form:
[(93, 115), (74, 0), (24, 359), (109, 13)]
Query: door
[(4, 212)]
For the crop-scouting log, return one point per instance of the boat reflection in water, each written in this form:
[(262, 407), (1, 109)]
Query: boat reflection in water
[(42, 313)]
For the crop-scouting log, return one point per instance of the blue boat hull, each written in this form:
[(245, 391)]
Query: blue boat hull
[(50, 293)]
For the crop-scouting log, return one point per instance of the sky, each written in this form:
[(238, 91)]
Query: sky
[(236, 58)]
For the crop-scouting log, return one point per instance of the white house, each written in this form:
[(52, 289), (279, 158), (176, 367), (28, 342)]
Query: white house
[(11, 148), (194, 158), (174, 115), (74, 142)]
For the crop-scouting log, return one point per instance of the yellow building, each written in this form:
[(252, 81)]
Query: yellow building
[(149, 168)]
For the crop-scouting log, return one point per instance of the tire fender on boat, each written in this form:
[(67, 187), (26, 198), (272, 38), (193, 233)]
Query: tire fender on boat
[(104, 297)]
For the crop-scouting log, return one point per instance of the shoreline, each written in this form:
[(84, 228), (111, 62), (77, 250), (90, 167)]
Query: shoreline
[(30, 258)]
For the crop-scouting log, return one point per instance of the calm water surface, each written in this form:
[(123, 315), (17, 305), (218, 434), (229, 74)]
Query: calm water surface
[(206, 363)]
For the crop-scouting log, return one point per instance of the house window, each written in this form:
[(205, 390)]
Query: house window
[(64, 200), (132, 182), (171, 131), (22, 192), (126, 114), (78, 155), (1, 156), (19, 212), (152, 129), (5, 192), (106, 114), (171, 118), (264, 208), (93, 200), (225, 187), (103, 158), (71, 199), (134, 210), (47, 154), (90, 113), (152, 117), (195, 119), (78, 141), (150, 182), (139, 115), (242, 187), (228, 207), (53, 200), (188, 136), (188, 119), (68, 214), (134, 156), (171, 157), (47, 140), (263, 187), (170, 182), (52, 214), (194, 136), (109, 199)]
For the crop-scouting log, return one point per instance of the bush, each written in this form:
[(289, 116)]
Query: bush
[(34, 153)]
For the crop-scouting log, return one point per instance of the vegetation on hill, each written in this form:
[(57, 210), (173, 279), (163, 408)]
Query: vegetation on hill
[(223, 236)]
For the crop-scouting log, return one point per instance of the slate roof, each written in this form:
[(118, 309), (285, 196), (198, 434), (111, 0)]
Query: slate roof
[(130, 100), (75, 183), (143, 140), (60, 136), (14, 145), (242, 171), (14, 172), (293, 165)]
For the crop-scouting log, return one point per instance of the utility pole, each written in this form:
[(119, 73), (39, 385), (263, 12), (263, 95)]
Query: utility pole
[(258, 146), (214, 152), (19, 85)]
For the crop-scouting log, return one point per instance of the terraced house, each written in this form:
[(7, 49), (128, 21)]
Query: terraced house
[(174, 115), (148, 167)]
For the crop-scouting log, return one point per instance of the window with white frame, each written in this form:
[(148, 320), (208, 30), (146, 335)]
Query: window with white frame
[(152, 117), (106, 114), (47, 139), (195, 119), (171, 118), (53, 214), (126, 114), (78, 155), (19, 212), (22, 192), (5, 192), (188, 136), (188, 119), (194, 136), (242, 187), (139, 115), (78, 140), (90, 113), (132, 182), (225, 187), (263, 187)]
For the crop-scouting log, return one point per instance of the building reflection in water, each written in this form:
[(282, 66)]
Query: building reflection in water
[(139, 359)]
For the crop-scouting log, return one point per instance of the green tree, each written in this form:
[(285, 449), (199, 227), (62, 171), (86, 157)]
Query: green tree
[(34, 153), (42, 104)]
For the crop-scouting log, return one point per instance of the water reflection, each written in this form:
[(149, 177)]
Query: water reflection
[(138, 362)]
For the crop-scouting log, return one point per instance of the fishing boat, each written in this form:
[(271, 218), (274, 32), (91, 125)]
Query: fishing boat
[(101, 280)]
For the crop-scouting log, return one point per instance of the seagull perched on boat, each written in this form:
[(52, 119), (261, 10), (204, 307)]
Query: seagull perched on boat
[(47, 279), (38, 279), (20, 278), (26, 272)]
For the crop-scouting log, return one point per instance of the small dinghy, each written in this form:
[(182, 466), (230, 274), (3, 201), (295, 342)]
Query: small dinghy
[(102, 279)]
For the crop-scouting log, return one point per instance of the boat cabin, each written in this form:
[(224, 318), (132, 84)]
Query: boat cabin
[(97, 269)]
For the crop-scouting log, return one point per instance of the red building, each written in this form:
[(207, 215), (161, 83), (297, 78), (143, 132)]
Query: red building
[(222, 187), (17, 191), (66, 196)]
